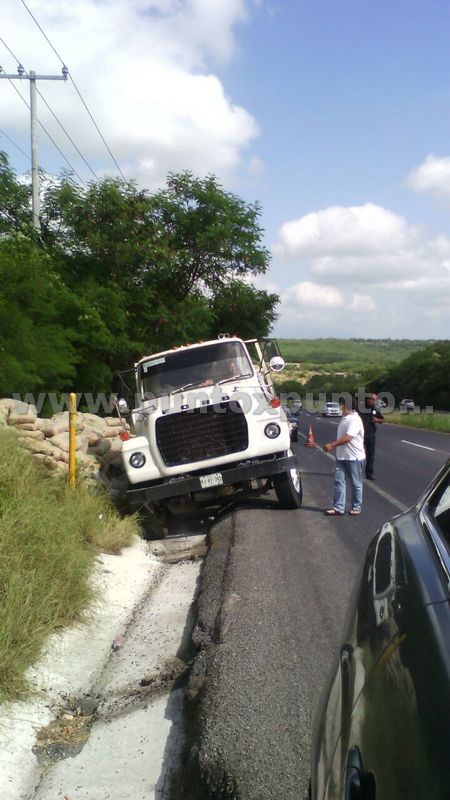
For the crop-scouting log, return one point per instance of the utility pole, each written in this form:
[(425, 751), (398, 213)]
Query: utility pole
[(32, 78)]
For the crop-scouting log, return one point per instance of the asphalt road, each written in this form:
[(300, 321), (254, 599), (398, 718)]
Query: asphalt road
[(275, 588)]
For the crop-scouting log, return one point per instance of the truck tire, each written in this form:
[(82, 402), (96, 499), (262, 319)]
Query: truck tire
[(288, 488), (151, 525)]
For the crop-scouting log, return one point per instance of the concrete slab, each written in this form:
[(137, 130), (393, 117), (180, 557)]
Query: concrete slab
[(125, 759), (129, 744)]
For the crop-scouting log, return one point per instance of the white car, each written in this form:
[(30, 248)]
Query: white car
[(406, 405), (331, 410)]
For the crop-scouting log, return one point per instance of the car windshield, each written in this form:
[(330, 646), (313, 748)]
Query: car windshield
[(195, 367)]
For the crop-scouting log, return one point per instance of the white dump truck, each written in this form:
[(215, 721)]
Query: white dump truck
[(207, 424)]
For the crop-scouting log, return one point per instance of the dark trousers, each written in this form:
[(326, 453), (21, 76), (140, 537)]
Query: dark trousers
[(369, 445)]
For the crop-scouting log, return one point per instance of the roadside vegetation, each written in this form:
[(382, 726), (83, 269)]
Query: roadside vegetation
[(435, 421), (347, 355), (416, 369), (119, 272), (49, 538)]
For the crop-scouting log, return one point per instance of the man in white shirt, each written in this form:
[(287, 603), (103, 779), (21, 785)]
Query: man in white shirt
[(350, 456)]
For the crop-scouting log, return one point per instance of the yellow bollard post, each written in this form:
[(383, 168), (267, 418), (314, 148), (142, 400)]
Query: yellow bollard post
[(72, 438)]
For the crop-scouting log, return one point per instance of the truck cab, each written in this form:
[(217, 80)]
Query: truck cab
[(207, 423)]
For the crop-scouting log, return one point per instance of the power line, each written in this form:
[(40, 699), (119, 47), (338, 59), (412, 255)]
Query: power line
[(2, 133), (16, 224), (49, 136), (55, 117), (67, 134), (76, 88), (9, 50)]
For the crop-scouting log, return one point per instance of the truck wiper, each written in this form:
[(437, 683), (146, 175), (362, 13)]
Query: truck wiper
[(235, 378), (187, 386)]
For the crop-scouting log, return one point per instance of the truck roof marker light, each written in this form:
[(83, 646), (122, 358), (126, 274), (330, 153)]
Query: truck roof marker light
[(275, 402), (124, 435)]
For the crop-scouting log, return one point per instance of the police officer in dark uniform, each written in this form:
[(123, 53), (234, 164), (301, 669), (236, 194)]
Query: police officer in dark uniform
[(371, 418)]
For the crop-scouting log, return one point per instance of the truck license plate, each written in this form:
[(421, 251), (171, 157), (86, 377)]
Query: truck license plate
[(215, 479)]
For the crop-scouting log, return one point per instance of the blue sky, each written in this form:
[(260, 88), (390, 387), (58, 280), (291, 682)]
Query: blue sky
[(334, 115)]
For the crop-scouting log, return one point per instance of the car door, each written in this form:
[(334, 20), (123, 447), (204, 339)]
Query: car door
[(394, 677), (370, 631)]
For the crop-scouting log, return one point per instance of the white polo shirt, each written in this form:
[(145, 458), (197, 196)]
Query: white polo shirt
[(353, 450)]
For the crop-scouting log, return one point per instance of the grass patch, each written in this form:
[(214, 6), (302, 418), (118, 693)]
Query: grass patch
[(435, 422), (49, 536)]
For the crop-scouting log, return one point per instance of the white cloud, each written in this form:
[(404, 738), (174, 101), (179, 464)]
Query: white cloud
[(355, 230), (314, 295), (145, 70), (365, 266), (432, 177), (361, 302)]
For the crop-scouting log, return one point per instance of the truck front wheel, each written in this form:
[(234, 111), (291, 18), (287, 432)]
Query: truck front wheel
[(288, 488), (153, 526)]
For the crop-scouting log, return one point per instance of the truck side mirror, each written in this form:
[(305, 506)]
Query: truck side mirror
[(276, 364), (122, 406)]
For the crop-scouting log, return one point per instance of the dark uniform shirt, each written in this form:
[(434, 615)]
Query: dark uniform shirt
[(368, 416)]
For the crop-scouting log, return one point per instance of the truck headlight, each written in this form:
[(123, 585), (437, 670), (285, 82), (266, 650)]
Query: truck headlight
[(272, 430), (137, 460)]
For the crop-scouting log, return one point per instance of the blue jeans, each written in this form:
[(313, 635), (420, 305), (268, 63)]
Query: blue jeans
[(353, 470)]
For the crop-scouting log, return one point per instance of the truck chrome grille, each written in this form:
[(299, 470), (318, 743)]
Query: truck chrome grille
[(201, 433)]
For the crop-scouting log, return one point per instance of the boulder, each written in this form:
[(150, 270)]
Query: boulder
[(94, 438), (61, 440), (116, 444), (113, 458), (21, 419), (18, 407), (24, 433), (47, 461), (113, 422), (26, 426), (94, 422), (62, 418), (103, 446), (42, 447)]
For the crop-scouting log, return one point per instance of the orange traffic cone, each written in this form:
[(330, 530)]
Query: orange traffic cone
[(310, 438)]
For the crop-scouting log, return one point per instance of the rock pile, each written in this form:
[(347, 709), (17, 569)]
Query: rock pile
[(98, 444)]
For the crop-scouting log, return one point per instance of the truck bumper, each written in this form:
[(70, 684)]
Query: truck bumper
[(236, 474)]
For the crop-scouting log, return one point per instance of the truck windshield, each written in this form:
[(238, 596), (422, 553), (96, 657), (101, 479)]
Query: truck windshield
[(196, 367)]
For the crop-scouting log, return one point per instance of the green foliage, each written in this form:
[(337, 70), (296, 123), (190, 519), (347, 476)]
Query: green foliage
[(206, 235), (343, 365), (333, 383), (49, 536), (36, 344), (153, 271), (348, 355), (435, 421), (424, 376), (15, 213), (243, 310)]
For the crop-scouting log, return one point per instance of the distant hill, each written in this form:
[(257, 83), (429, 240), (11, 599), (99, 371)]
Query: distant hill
[(349, 355)]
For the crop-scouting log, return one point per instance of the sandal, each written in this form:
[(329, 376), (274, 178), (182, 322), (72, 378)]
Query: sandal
[(331, 512), (354, 512)]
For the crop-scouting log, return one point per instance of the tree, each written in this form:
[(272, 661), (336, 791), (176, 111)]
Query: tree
[(207, 237), (15, 198), (119, 272), (241, 309), (422, 376), (36, 344), (158, 270)]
